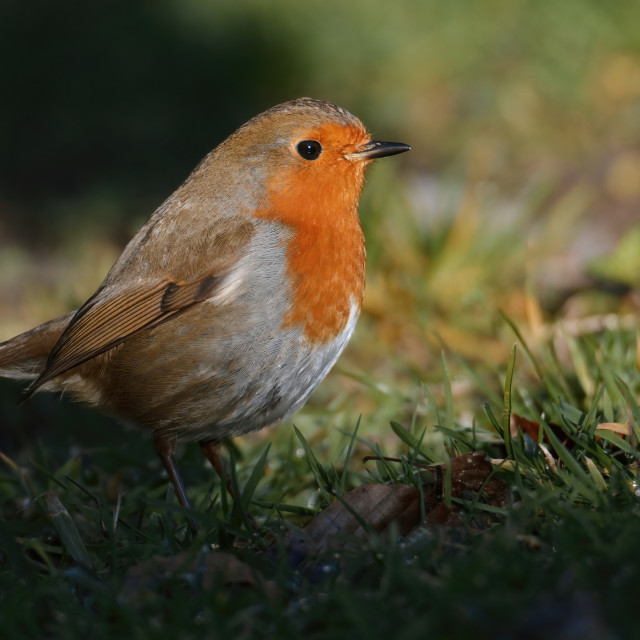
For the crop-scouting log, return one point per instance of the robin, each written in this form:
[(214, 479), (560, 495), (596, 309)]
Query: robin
[(234, 300)]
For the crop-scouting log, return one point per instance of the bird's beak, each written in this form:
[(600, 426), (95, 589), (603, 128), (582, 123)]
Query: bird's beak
[(375, 149)]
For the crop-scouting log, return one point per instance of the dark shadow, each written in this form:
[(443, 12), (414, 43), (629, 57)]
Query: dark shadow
[(120, 97)]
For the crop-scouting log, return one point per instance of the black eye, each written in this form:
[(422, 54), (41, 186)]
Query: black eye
[(309, 149)]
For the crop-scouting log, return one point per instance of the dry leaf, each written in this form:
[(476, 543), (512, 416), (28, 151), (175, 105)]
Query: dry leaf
[(622, 429), (532, 429), (471, 473), (377, 505)]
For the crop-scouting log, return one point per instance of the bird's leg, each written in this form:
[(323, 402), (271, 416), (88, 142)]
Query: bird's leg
[(166, 448), (210, 448)]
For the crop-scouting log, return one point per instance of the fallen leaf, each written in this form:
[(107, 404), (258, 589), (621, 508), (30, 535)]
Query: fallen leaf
[(531, 428), (376, 506), (616, 427), (396, 507)]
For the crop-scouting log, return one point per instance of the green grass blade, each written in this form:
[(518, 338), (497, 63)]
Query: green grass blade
[(534, 362), (409, 439), (590, 421), (493, 420), (347, 459), (632, 403), (456, 436), (616, 440), (449, 415), (318, 471), (579, 474), (506, 412), (67, 530), (257, 473)]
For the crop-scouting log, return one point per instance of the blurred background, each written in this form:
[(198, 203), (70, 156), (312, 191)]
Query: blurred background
[(521, 194)]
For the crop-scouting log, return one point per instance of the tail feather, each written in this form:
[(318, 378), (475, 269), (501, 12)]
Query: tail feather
[(25, 356)]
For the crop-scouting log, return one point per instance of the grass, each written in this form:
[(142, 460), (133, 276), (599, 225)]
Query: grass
[(85, 537), (93, 542)]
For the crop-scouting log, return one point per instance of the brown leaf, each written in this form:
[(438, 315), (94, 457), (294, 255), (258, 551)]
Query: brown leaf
[(532, 429), (471, 473), (616, 427), (378, 505), (437, 514), (526, 426)]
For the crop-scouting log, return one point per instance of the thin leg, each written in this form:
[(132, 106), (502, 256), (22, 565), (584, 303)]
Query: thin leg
[(210, 448), (166, 448)]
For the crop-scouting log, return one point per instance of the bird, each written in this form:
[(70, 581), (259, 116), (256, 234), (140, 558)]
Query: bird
[(236, 297)]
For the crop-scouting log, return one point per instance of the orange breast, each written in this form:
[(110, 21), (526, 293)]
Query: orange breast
[(327, 267), (326, 254)]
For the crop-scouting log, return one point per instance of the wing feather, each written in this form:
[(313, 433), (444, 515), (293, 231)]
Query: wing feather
[(121, 309)]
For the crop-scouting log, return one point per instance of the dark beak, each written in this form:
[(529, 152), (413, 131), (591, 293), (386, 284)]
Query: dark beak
[(375, 149)]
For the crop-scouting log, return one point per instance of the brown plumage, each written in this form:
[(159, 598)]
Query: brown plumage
[(237, 296)]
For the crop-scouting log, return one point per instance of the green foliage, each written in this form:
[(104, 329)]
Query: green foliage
[(623, 265), (562, 555)]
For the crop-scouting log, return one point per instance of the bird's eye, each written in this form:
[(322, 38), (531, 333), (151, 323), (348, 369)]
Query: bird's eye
[(309, 149)]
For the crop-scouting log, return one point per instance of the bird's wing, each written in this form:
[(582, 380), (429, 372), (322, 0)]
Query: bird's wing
[(123, 307)]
